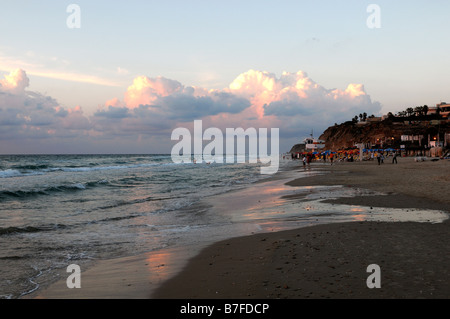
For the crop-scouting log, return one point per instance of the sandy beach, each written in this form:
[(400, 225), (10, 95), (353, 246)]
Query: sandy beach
[(322, 261), (330, 261)]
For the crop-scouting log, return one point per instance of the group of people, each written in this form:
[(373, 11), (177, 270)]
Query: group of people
[(308, 157), (380, 158)]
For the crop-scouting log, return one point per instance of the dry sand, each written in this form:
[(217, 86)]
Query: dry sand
[(323, 261)]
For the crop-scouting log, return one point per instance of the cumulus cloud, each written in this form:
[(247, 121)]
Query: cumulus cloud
[(254, 98), (170, 99), (153, 107), (15, 82), (145, 90), (27, 114), (295, 94), (294, 103)]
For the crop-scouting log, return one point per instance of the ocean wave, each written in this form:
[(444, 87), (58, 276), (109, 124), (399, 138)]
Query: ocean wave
[(15, 257), (40, 169), (136, 201), (48, 190), (21, 193), (99, 168), (119, 218), (17, 173), (30, 229), (30, 167)]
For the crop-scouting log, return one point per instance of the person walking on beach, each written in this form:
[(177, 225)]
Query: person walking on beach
[(331, 158), (394, 158), (379, 158)]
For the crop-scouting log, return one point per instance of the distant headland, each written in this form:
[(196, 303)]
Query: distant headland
[(420, 130)]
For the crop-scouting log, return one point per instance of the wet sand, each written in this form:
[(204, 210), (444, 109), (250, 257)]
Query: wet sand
[(330, 261), (322, 261), (416, 184)]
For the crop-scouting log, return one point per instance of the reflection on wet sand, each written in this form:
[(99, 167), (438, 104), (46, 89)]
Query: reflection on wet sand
[(273, 206)]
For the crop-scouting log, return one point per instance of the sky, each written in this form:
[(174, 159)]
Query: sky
[(120, 76)]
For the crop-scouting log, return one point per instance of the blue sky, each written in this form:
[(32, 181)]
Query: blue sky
[(209, 44)]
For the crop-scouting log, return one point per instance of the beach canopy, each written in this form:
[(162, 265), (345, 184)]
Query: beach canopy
[(379, 150)]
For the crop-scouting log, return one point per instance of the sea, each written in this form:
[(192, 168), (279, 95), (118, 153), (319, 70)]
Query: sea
[(57, 210)]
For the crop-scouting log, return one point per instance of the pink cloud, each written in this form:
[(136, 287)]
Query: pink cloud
[(115, 102), (253, 99), (29, 115), (145, 90), (153, 107), (15, 82)]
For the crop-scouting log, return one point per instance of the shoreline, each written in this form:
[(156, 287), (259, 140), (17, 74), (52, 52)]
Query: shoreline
[(331, 260), (106, 278), (188, 269), (421, 180)]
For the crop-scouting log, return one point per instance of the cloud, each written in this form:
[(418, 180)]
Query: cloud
[(122, 71), (145, 90), (44, 68), (186, 106), (153, 107), (171, 100), (113, 112), (27, 114), (75, 77), (15, 82), (296, 94), (296, 98)]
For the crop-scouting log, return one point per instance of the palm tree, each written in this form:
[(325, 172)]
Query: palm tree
[(409, 111), (418, 110), (425, 109)]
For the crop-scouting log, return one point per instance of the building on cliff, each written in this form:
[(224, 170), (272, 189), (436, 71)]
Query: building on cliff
[(411, 135), (443, 109)]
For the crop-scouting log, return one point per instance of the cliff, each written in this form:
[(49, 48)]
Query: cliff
[(379, 134), (297, 148)]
